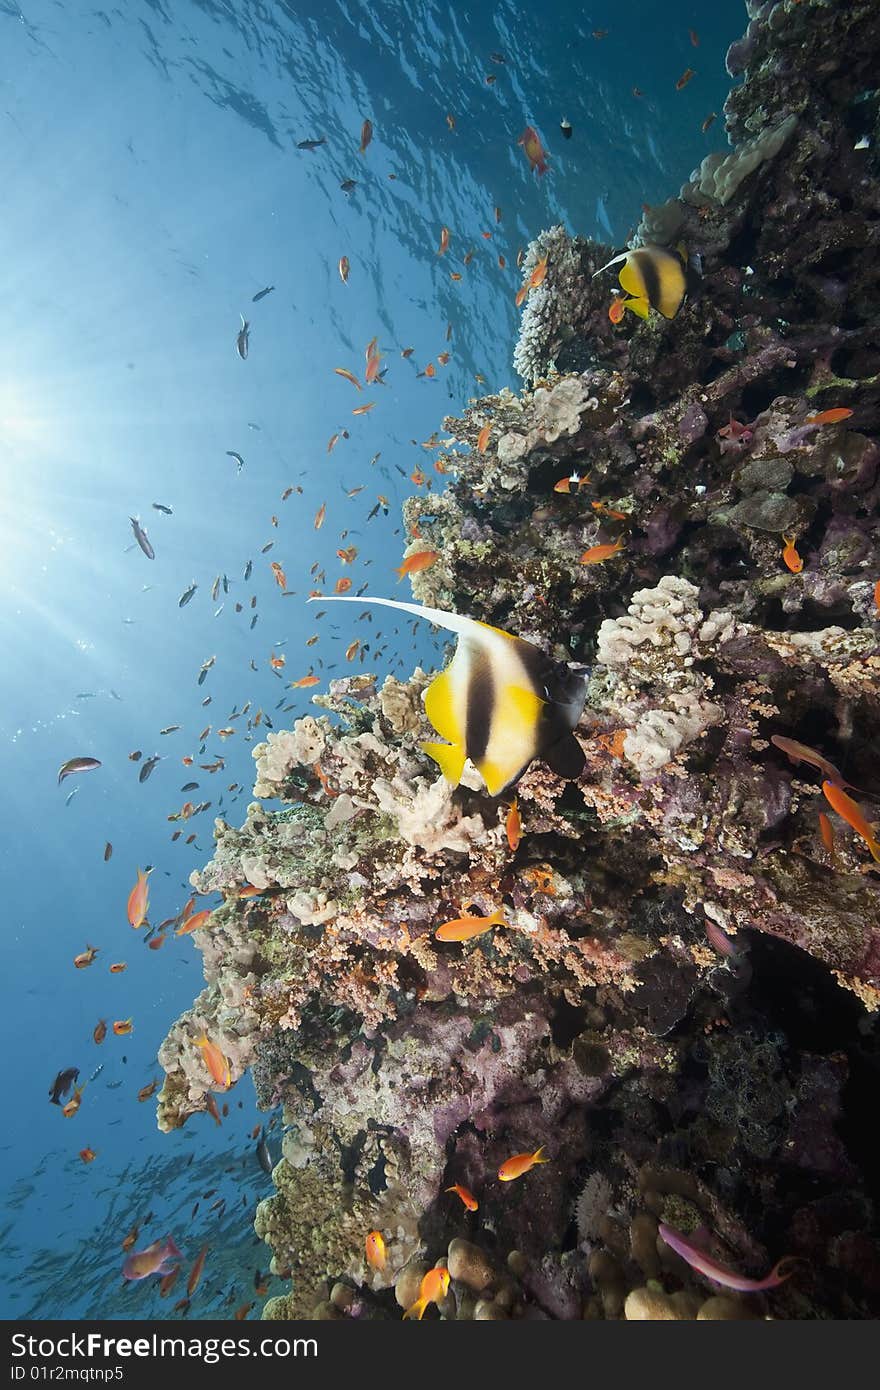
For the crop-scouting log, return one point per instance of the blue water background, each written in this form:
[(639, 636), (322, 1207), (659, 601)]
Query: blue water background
[(151, 188)]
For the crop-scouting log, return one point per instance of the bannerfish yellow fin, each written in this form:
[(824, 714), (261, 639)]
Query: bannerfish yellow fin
[(449, 758), (440, 706), (637, 306)]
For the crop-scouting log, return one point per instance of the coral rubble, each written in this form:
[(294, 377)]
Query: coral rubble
[(681, 1005)]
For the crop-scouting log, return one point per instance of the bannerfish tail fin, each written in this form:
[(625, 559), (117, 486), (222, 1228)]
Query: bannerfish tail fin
[(448, 757), (440, 709), (637, 306), (615, 260)]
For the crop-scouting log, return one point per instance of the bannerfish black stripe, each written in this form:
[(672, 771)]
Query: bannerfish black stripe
[(651, 287), (480, 704)]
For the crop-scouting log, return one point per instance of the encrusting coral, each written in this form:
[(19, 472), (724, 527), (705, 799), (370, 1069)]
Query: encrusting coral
[(680, 940)]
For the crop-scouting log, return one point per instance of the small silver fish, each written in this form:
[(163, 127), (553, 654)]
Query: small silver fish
[(74, 765), (160, 507), (264, 1157), (261, 294), (142, 538), (241, 342), (233, 455), (147, 767), (248, 570), (186, 596)]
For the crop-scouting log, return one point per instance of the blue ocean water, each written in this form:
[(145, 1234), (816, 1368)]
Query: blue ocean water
[(153, 186)]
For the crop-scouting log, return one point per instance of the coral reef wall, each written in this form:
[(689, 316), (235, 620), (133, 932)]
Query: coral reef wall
[(681, 1005)]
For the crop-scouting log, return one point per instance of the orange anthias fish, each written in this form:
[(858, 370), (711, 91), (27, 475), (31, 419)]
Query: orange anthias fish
[(539, 274), (513, 826), (117, 967), (851, 813), (155, 1259), (597, 553), (877, 594), (483, 439), (138, 899), (414, 564), (616, 310), (604, 510), (70, 1109), (534, 150), (146, 1091), (195, 923), (830, 417), (444, 241), (342, 586), (366, 136), (364, 409), (129, 1240), (520, 1163), (467, 927), (344, 268), (211, 1107), (168, 1282), (87, 1155), (100, 1031), (826, 830), (86, 957), (195, 1273), (304, 682), (157, 941), (215, 1061), (319, 516), (790, 555), (352, 649), (349, 376), (349, 555), (468, 1198), (574, 480), (684, 79), (375, 1250), (122, 1026), (432, 1288), (277, 663), (520, 295), (280, 576)]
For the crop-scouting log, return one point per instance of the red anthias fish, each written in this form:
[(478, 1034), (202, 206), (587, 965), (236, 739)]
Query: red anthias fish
[(534, 150)]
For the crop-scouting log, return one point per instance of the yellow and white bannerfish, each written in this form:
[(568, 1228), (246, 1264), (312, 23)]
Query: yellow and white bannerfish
[(653, 277), (501, 702)]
